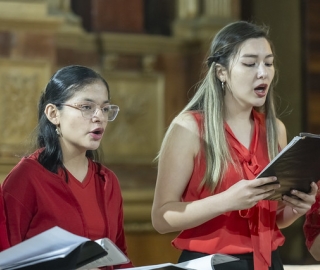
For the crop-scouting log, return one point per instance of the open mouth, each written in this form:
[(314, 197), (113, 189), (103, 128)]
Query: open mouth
[(97, 131), (261, 89)]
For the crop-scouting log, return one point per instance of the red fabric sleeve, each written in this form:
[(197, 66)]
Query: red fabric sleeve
[(4, 242), (311, 227)]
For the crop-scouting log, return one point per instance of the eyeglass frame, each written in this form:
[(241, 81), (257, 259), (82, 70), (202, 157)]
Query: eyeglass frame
[(76, 106)]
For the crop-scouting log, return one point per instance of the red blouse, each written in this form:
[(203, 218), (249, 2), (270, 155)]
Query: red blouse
[(311, 225), (237, 232), (36, 200), (4, 241)]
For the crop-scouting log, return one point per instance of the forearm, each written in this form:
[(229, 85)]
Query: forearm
[(315, 248), (286, 216), (177, 216)]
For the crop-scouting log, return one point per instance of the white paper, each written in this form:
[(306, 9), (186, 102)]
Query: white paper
[(203, 263), (157, 266), (54, 240), (56, 243)]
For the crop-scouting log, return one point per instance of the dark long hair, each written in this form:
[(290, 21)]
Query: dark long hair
[(61, 87)]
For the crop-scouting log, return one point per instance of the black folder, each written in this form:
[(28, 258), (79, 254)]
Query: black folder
[(57, 248), (83, 254), (296, 166)]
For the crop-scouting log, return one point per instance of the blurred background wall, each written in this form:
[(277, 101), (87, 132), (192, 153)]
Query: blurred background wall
[(152, 53)]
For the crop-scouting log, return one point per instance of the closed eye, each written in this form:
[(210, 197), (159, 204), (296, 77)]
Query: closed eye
[(249, 65)]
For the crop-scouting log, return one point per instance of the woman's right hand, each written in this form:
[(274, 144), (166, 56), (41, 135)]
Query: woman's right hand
[(247, 193)]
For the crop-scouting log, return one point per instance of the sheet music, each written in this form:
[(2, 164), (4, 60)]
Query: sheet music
[(203, 263), (53, 242)]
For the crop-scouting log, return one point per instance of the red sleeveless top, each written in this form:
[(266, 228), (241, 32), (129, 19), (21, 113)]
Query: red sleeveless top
[(237, 232)]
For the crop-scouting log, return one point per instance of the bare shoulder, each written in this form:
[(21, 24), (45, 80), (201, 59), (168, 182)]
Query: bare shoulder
[(187, 121), (183, 133), (282, 133)]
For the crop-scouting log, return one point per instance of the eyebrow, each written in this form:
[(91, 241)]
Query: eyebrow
[(91, 100), (255, 56)]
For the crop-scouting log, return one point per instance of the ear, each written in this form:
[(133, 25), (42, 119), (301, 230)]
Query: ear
[(52, 114), (221, 72)]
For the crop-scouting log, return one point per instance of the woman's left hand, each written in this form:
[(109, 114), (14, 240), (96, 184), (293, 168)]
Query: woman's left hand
[(302, 202)]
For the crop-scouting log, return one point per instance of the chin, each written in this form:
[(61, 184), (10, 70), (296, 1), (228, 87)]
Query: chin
[(259, 103), (93, 147)]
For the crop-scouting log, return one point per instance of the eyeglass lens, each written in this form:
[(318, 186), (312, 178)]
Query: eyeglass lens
[(109, 111)]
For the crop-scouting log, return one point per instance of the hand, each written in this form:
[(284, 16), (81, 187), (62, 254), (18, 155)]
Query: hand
[(247, 193), (302, 202)]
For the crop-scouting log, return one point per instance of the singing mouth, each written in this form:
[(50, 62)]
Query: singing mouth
[(97, 131), (261, 87)]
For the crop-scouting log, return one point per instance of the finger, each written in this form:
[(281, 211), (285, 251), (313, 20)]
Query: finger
[(314, 188), (309, 198), (265, 194), (295, 204), (268, 188), (264, 181)]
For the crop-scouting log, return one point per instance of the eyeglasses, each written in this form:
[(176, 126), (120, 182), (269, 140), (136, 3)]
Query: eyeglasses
[(89, 109)]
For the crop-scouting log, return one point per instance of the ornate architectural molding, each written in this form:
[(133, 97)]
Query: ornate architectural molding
[(18, 77), (27, 15), (201, 19)]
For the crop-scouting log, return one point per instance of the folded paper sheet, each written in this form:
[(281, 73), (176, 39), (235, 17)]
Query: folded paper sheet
[(203, 263), (59, 249)]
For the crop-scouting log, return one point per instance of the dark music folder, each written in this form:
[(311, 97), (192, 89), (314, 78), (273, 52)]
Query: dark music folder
[(296, 166), (59, 249), (204, 263)]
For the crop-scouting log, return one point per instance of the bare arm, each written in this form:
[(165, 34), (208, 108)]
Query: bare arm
[(176, 162), (315, 248)]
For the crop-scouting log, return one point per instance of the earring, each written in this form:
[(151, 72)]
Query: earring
[(58, 132), (223, 88)]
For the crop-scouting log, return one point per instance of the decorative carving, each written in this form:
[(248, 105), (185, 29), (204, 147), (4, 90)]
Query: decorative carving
[(193, 22), (63, 8), (217, 9), (148, 62), (188, 9), (21, 84), (110, 61), (136, 134)]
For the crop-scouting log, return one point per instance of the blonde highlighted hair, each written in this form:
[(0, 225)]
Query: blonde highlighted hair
[(209, 101)]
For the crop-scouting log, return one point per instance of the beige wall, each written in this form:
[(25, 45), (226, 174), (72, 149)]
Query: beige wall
[(284, 19)]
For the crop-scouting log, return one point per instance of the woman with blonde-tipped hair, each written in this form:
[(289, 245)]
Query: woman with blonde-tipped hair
[(214, 149)]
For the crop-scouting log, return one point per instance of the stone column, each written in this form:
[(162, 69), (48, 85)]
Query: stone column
[(185, 25), (201, 19), (215, 15), (73, 43)]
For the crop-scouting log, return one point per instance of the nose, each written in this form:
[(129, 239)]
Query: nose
[(98, 115), (262, 71)]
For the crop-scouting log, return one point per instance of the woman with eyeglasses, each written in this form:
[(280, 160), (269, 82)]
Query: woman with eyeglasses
[(62, 182)]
